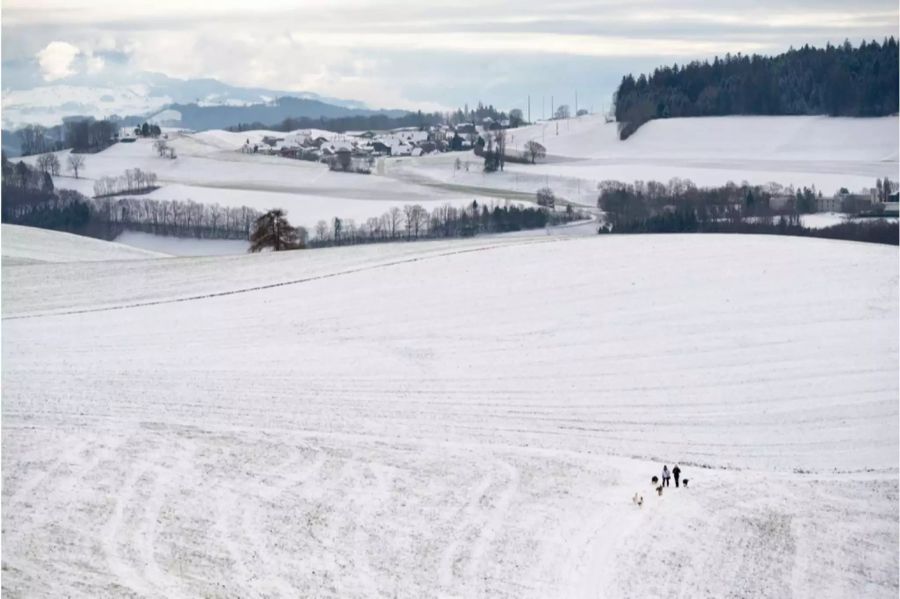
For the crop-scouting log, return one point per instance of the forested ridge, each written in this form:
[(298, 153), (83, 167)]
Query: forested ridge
[(835, 80)]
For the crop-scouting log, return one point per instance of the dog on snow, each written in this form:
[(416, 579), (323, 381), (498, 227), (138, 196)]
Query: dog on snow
[(659, 490), (638, 500), (684, 482)]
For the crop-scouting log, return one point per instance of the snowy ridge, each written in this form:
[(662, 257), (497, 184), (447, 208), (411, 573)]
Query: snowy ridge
[(457, 420), (29, 244), (809, 138)]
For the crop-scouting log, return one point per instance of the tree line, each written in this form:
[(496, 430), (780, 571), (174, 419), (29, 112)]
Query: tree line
[(134, 180), (29, 198), (413, 222), (383, 122), (681, 207), (686, 221), (342, 124), (626, 203), (835, 80)]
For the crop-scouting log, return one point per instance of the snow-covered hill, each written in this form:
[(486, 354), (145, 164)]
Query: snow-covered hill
[(800, 151), (210, 168), (23, 245), (827, 152), (456, 419), (795, 138)]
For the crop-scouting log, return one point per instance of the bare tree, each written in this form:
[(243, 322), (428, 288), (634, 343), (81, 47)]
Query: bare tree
[(535, 150), (33, 139), (322, 230), (75, 163), (546, 198), (161, 146), (562, 112), (394, 216), (43, 164), (54, 165), (501, 147)]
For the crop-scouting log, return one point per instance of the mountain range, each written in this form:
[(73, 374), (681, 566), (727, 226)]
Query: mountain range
[(190, 103)]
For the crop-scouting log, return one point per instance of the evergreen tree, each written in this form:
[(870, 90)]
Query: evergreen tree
[(273, 230)]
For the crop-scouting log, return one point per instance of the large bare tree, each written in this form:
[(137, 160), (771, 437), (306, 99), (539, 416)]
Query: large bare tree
[(535, 150), (76, 163)]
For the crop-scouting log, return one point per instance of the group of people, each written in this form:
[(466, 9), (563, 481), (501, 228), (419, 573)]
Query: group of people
[(666, 475), (638, 499)]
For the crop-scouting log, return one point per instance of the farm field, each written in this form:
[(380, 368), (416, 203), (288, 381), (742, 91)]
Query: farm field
[(829, 153), (467, 418)]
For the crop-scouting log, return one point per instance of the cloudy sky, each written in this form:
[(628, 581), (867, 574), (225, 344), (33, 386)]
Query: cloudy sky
[(415, 54)]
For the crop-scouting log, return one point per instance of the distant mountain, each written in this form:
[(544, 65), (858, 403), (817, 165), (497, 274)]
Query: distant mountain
[(200, 117), (143, 94)]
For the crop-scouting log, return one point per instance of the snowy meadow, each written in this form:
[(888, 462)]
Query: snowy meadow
[(453, 419)]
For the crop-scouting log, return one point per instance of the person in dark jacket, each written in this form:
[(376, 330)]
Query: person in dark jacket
[(676, 472)]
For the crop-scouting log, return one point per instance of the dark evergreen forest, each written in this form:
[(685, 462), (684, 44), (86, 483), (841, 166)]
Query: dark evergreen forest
[(835, 80)]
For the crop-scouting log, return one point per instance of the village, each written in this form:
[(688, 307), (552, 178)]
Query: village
[(357, 151)]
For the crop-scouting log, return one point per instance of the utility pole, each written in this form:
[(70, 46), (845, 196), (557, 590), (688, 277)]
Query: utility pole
[(529, 108), (552, 113), (576, 102), (543, 113)]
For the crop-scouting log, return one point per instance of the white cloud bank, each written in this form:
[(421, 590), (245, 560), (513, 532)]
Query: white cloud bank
[(56, 60)]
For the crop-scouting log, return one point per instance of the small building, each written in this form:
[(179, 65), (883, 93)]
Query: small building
[(381, 148), (826, 204)]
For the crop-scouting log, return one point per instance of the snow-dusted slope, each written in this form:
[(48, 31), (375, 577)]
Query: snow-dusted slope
[(456, 420), (28, 244), (807, 138), (211, 169), (826, 152)]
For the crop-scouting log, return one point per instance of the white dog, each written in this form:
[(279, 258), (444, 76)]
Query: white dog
[(638, 500)]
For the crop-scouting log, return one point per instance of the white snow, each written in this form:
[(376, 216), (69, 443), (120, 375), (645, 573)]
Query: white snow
[(22, 245), (48, 104), (821, 220), (209, 169), (456, 419), (827, 152)]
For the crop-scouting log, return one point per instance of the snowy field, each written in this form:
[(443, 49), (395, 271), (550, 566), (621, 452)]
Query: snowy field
[(209, 170), (829, 153), (456, 419), (22, 245)]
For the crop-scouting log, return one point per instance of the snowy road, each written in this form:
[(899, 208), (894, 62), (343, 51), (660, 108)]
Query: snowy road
[(462, 419)]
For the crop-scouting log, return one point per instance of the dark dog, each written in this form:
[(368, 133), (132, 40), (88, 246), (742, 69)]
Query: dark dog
[(684, 482), (654, 480)]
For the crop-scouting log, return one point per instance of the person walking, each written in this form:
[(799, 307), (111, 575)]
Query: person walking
[(676, 472), (666, 476)]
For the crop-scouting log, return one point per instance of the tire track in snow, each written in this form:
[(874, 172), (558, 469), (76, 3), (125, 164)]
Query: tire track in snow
[(299, 281), (482, 518), (251, 526)]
